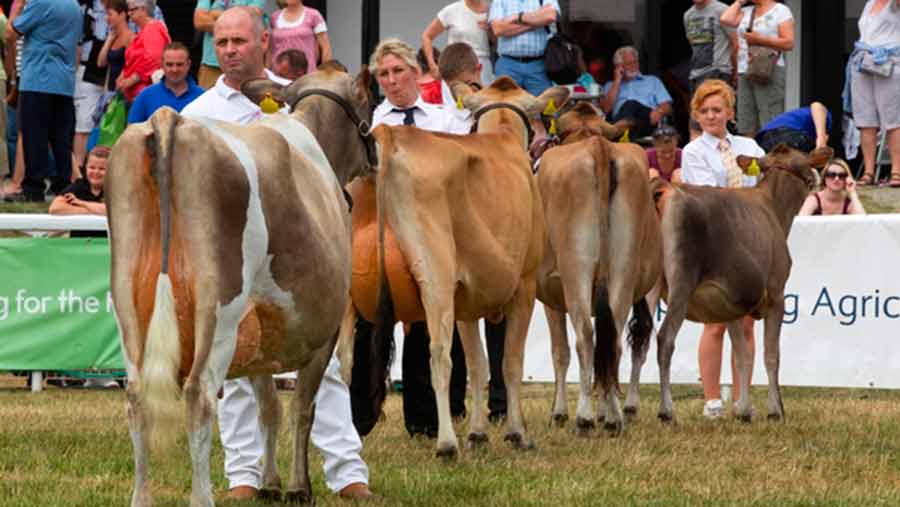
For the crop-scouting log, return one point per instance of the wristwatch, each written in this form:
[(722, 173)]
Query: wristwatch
[(519, 19)]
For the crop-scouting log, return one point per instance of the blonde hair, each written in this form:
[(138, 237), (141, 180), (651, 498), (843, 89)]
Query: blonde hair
[(840, 163), (394, 47), (710, 88)]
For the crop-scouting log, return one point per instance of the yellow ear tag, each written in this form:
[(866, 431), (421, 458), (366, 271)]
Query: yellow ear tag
[(753, 169), (550, 110), (552, 129), (625, 138), (268, 104), (459, 104)]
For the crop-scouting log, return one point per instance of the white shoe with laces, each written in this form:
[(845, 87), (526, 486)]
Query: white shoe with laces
[(714, 409)]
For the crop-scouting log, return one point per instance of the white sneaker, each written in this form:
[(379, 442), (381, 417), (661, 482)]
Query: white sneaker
[(714, 409)]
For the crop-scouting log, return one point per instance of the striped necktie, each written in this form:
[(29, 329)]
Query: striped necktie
[(733, 174), (408, 118)]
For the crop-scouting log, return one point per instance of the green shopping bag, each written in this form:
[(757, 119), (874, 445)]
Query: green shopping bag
[(114, 121)]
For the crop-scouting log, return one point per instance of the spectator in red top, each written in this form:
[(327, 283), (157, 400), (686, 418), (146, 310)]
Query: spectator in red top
[(429, 87), (665, 156), (143, 56)]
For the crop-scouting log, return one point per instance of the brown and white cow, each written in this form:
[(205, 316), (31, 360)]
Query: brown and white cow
[(231, 257), (603, 254), (467, 219), (726, 256)]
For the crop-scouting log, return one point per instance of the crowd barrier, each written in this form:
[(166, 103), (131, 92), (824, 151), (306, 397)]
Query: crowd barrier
[(840, 326)]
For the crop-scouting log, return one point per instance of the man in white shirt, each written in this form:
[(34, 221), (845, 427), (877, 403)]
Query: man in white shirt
[(241, 42)]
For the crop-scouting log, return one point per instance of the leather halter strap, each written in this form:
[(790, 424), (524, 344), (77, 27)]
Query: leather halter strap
[(362, 126), (504, 105)]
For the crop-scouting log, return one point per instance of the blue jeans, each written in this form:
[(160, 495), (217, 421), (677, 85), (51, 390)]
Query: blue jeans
[(531, 76)]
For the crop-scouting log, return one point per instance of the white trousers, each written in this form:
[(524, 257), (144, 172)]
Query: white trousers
[(332, 433)]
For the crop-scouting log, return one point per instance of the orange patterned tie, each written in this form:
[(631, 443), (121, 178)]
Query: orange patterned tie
[(733, 173)]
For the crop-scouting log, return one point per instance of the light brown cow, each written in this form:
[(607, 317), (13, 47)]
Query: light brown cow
[(231, 257), (468, 222), (726, 256), (603, 253)]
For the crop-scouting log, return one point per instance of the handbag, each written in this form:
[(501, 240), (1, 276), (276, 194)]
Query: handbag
[(761, 60), (561, 57), (114, 121), (868, 65)]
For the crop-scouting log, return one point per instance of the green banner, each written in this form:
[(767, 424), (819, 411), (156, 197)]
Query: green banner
[(55, 306)]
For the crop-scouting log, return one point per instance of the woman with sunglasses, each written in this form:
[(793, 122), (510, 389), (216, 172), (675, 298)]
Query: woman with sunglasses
[(665, 156), (839, 196)]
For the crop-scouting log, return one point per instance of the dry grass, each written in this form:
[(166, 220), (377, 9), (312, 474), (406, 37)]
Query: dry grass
[(838, 447)]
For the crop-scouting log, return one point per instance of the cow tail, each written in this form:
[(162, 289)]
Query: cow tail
[(640, 325), (606, 336), (382, 350), (159, 374)]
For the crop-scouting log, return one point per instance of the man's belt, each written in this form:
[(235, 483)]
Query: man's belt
[(524, 59)]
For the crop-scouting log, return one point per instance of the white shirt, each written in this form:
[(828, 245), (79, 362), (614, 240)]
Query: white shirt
[(222, 102), (701, 160), (435, 118), (766, 25), (280, 22), (462, 26)]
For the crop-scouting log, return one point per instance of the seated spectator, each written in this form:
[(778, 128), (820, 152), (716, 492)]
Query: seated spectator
[(642, 100), (144, 54), (118, 39), (839, 196), (290, 64), (665, 156), (429, 86), (804, 129), (176, 90), (85, 196)]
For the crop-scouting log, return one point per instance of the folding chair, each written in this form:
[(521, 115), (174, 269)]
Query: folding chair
[(882, 156)]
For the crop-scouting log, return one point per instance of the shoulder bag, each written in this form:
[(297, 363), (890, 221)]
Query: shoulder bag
[(761, 60)]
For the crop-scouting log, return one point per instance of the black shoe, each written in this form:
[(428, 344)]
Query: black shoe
[(14, 197)]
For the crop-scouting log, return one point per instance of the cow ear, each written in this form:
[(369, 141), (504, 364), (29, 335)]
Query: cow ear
[(752, 166), (362, 83), (463, 94), (258, 89), (820, 156), (558, 94)]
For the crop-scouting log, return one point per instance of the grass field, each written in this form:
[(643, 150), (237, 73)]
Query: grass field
[(838, 447)]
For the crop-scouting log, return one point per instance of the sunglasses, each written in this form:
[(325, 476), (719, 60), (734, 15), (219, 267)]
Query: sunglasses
[(832, 175)]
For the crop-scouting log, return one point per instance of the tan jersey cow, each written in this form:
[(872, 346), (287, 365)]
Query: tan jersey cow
[(603, 253), (726, 256), (231, 257), (467, 218)]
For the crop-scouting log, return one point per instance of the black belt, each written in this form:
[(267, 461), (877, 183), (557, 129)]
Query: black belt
[(524, 59)]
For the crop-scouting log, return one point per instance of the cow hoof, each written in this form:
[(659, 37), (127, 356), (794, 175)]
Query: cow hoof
[(583, 427), (559, 420), (271, 495), (518, 441), (299, 497), (775, 417), (447, 453), (630, 412), (614, 428), (666, 418), (477, 441)]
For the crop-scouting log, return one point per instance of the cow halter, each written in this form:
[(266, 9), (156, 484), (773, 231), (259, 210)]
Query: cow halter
[(362, 126), (504, 105)]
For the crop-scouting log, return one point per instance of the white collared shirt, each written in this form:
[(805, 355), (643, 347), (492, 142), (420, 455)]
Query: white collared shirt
[(222, 102), (701, 160), (435, 118)]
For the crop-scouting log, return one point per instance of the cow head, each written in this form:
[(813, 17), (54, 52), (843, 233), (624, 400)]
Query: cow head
[(794, 162), (583, 120), (330, 102), (504, 91)]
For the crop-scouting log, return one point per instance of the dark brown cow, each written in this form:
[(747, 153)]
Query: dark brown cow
[(603, 254), (726, 256)]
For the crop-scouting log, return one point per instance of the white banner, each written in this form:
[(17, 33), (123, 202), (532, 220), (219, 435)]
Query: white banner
[(841, 314)]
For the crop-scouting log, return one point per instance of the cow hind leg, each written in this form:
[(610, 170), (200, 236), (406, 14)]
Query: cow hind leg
[(345, 343), (478, 377), (269, 422), (199, 411), (743, 408), (773, 358), (299, 488), (518, 316), (559, 342), (666, 347), (621, 295), (136, 427), (639, 357), (440, 327)]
